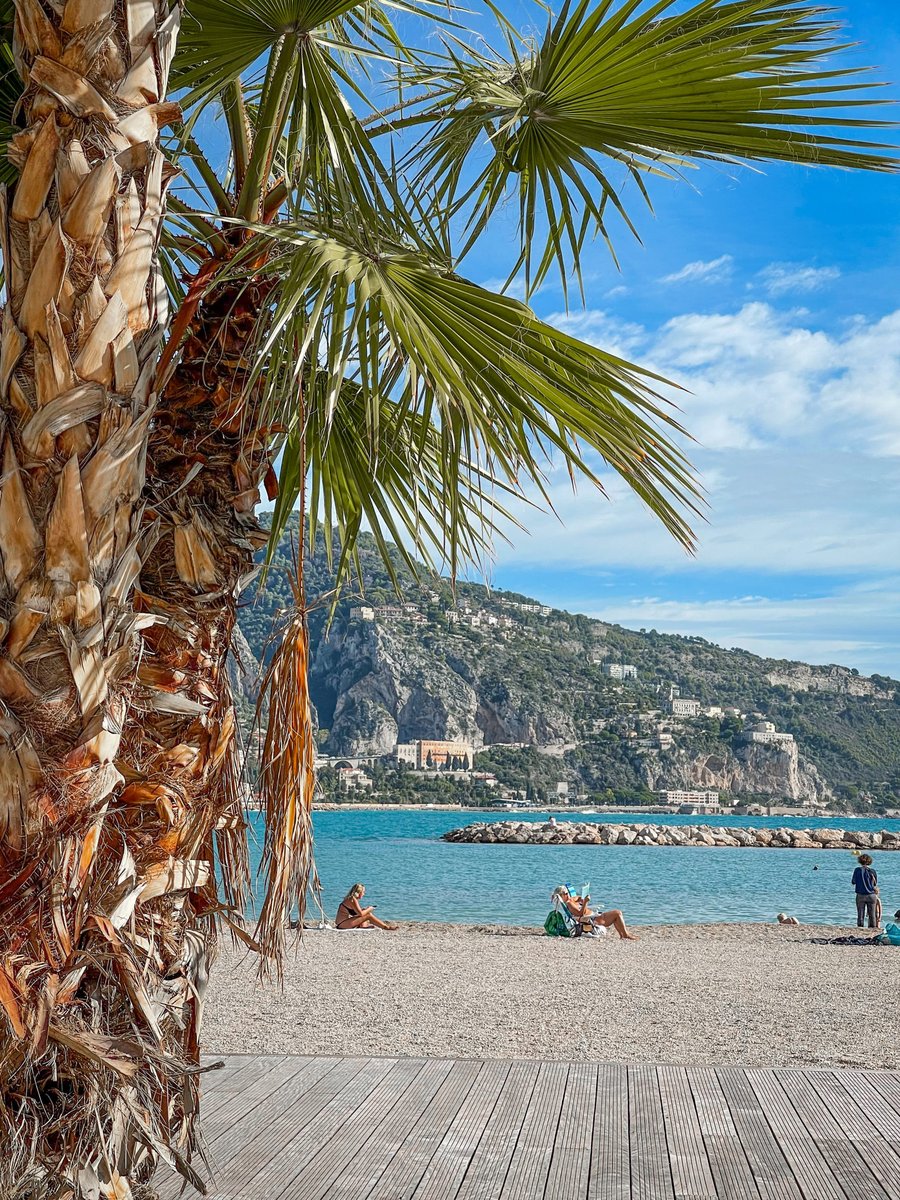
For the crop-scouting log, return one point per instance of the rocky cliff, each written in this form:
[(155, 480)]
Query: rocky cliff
[(744, 770)]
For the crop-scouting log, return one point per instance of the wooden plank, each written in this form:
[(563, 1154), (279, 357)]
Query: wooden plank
[(490, 1161), (230, 1110), (529, 1167), (280, 1087), (342, 1124), (861, 1086), (610, 1176), (570, 1166), (405, 1170), (888, 1084), (322, 1079), (840, 1153), (651, 1176), (236, 1068), (727, 1160), (688, 1160), (448, 1167), (771, 1170), (367, 1162), (813, 1174), (853, 1119), (330, 1101)]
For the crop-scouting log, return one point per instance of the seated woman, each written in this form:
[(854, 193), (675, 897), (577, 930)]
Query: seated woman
[(589, 920), (351, 914)]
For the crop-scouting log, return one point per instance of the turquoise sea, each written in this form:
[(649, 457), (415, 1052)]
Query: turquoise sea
[(412, 875)]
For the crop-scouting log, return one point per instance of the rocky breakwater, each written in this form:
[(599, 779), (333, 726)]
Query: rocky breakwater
[(568, 833)]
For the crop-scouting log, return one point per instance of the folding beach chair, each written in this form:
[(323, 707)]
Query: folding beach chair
[(560, 922)]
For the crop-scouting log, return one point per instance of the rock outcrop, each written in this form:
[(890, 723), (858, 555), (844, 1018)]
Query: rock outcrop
[(584, 833), (750, 768)]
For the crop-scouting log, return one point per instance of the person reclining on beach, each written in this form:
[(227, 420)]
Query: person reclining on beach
[(351, 914), (589, 921)]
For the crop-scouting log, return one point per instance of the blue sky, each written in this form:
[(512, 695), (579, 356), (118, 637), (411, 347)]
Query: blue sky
[(772, 298)]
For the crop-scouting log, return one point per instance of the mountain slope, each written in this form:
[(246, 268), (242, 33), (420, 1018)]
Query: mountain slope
[(494, 667)]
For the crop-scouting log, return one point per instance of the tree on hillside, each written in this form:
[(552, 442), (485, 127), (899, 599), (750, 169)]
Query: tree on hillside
[(303, 304)]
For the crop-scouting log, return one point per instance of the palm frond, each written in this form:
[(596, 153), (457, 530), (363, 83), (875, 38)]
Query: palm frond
[(467, 385), (613, 88)]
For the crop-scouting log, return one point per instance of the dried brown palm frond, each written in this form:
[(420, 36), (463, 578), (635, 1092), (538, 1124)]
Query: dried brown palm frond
[(287, 783)]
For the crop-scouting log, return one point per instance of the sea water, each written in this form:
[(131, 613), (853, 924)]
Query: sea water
[(412, 875)]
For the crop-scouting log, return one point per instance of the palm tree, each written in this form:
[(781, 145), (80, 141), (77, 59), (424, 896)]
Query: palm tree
[(323, 343)]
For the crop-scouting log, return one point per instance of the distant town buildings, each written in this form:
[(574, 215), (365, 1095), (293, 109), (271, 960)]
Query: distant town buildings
[(388, 612), (619, 670), (681, 706), (765, 732)]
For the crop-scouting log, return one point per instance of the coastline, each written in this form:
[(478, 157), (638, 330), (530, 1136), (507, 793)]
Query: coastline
[(715, 994)]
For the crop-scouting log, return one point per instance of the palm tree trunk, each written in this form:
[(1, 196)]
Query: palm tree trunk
[(103, 874)]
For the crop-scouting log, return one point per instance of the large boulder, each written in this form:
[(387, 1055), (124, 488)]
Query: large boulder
[(827, 837)]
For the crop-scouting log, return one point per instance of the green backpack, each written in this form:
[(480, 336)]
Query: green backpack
[(555, 925)]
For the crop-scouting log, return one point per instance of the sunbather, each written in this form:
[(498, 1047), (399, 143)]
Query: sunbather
[(589, 920), (352, 915)]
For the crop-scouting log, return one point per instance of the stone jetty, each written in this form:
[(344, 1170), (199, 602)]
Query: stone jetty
[(583, 833)]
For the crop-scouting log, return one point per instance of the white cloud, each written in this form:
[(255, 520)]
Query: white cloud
[(799, 432), (761, 377), (716, 270), (786, 279)]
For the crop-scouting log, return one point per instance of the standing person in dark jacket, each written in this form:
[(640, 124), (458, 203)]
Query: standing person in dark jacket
[(865, 882)]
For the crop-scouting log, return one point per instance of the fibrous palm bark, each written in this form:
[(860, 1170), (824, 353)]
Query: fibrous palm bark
[(100, 879)]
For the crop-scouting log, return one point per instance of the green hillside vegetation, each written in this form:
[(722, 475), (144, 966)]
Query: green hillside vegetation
[(542, 667)]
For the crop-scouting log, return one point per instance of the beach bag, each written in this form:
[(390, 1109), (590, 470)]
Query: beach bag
[(555, 925)]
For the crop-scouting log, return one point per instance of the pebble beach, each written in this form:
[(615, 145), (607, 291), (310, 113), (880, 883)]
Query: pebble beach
[(715, 994)]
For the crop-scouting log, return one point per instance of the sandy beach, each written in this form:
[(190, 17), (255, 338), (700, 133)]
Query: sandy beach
[(749, 995)]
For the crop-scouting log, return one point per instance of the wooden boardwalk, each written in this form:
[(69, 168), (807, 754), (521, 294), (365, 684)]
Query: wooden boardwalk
[(432, 1129)]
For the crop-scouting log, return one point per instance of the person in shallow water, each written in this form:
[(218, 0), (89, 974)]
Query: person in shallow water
[(865, 884), (352, 915), (579, 907)]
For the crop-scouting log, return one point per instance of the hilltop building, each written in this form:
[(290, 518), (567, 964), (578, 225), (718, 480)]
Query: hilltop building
[(616, 670), (765, 732)]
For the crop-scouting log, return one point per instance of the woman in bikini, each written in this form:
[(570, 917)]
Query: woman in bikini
[(352, 915)]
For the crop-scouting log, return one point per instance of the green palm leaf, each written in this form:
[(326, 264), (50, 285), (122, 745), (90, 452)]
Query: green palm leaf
[(485, 389), (648, 91)]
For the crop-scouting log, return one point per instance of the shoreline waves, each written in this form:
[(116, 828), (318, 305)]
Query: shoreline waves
[(715, 994)]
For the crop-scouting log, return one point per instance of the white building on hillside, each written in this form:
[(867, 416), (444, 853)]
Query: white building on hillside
[(765, 732), (681, 706), (618, 670)]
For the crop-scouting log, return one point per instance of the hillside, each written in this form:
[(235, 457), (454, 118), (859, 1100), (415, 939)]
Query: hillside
[(494, 667)]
